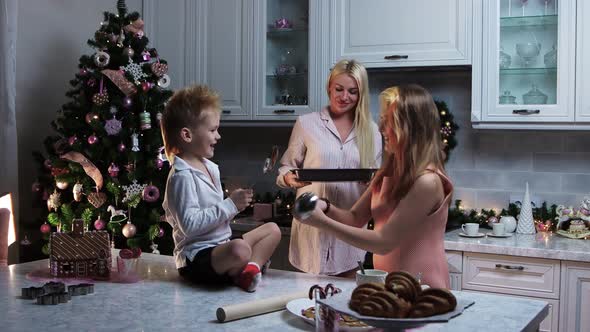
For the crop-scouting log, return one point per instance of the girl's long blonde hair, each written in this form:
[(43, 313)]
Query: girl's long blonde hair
[(362, 114), (411, 120)]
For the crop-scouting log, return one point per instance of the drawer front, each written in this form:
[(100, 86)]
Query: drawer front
[(526, 276), (551, 322)]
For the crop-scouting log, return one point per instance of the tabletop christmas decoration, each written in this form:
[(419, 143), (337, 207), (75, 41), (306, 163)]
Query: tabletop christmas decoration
[(107, 124)]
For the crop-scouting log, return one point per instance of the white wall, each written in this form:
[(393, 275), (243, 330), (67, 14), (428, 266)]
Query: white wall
[(51, 37)]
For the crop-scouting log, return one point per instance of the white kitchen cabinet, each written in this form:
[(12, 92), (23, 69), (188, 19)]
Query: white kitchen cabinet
[(455, 263), (285, 66), (575, 298), (225, 66), (533, 278), (262, 70), (524, 66), (398, 33), (582, 63)]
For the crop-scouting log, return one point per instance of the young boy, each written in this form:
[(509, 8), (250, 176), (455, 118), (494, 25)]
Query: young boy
[(194, 203)]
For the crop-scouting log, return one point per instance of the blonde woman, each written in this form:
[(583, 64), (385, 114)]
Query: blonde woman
[(341, 135), (408, 198)]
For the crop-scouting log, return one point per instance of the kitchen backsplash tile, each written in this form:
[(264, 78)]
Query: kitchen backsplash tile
[(575, 183), (562, 162), (487, 166)]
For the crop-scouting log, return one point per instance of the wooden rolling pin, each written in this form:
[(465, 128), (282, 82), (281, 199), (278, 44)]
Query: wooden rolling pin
[(257, 307)]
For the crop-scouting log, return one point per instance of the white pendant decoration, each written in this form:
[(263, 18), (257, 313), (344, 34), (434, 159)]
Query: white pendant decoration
[(526, 224)]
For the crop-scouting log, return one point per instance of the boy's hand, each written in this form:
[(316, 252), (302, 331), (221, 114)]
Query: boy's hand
[(241, 198)]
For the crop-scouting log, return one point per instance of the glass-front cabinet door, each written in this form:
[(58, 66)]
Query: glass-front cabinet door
[(529, 60), (284, 37)]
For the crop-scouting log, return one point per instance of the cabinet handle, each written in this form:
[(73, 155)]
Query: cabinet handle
[(226, 112), (284, 111), (395, 57), (510, 267), (526, 112)]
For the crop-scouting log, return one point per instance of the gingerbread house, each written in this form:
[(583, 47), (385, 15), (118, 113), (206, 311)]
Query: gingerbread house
[(80, 254)]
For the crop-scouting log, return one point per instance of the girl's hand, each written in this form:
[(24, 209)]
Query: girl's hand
[(241, 198), (292, 181), (316, 217)]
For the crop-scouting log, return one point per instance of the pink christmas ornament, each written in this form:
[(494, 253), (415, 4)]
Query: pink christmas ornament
[(145, 86), (72, 140), (151, 193), (159, 163), (113, 170), (83, 72), (99, 224), (45, 228), (146, 56), (161, 232), (92, 139), (121, 147)]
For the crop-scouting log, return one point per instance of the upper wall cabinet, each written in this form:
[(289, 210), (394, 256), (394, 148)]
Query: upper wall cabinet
[(401, 33), (285, 62), (583, 63), (524, 66), (228, 54)]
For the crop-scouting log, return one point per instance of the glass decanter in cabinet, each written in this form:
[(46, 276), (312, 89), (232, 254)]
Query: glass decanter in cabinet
[(284, 36), (529, 52)]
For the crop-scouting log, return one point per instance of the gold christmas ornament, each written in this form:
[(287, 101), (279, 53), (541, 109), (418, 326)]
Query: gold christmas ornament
[(78, 191), (62, 184), (129, 230)]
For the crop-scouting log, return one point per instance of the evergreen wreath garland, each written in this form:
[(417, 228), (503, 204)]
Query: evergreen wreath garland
[(448, 128)]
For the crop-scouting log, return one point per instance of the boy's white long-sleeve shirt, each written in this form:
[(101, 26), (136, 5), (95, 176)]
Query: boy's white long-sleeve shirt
[(196, 210)]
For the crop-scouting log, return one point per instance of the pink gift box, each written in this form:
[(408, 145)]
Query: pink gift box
[(262, 211)]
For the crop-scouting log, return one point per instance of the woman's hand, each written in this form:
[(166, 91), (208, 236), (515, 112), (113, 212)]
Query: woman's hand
[(317, 216), (292, 181)]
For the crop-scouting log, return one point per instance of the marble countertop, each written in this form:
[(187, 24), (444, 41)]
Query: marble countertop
[(540, 245), (160, 301)]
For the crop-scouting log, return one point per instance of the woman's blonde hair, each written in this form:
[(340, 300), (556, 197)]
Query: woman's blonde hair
[(408, 113), (362, 114), (184, 110)]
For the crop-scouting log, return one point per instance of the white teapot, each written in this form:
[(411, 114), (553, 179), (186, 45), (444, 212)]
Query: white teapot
[(509, 223)]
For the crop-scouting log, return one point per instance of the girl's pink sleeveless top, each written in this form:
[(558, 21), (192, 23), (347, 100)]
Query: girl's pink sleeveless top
[(422, 249)]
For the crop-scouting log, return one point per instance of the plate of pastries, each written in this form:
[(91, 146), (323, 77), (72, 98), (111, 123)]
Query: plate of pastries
[(305, 308), (398, 302)]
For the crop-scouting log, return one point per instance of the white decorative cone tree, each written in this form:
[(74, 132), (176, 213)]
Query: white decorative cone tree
[(526, 224)]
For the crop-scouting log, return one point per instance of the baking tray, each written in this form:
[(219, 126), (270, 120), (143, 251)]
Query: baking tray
[(335, 175)]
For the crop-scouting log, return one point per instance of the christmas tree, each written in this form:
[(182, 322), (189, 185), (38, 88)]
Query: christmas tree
[(106, 165)]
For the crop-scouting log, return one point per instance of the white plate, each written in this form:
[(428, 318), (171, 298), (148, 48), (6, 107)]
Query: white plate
[(503, 235), (296, 306), (476, 235)]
